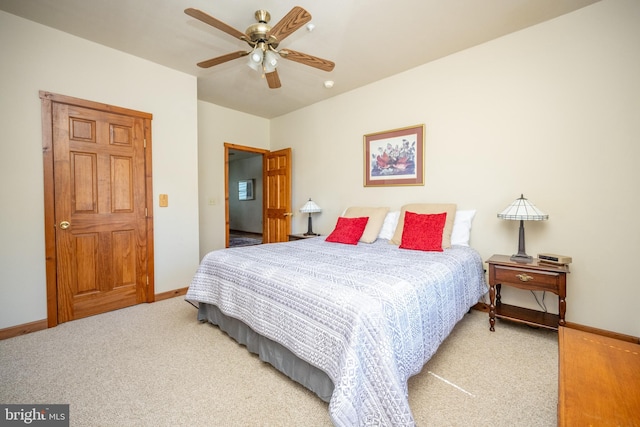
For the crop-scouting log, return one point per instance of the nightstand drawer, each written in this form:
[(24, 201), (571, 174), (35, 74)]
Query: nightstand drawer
[(527, 279)]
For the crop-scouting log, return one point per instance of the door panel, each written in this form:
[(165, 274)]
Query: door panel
[(99, 186), (86, 248), (277, 196)]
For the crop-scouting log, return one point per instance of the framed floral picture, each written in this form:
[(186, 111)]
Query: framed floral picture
[(394, 157)]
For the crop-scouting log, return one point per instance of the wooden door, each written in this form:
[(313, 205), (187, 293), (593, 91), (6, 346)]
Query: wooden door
[(277, 196), (100, 209)]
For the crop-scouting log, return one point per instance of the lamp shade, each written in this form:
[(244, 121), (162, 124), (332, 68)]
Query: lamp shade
[(270, 61), (523, 209), (255, 59), (310, 207)]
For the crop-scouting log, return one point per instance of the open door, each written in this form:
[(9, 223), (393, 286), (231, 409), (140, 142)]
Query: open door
[(277, 196), (276, 193)]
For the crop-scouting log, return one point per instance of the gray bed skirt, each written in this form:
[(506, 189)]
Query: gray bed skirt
[(270, 351)]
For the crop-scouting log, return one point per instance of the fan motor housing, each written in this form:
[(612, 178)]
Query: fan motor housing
[(258, 32)]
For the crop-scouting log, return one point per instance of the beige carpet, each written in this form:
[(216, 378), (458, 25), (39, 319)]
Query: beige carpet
[(155, 365)]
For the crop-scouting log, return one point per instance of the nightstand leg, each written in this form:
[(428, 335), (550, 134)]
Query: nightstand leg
[(492, 307), (562, 308)]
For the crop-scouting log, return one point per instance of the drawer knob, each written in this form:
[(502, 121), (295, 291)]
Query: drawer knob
[(524, 277)]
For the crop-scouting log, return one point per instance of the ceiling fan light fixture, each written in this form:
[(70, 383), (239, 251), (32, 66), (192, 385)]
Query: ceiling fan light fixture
[(256, 56), (270, 61), (255, 59)]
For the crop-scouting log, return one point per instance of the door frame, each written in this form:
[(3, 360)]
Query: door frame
[(47, 100), (228, 146)]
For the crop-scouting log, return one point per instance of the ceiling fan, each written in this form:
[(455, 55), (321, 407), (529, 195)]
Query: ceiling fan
[(264, 40)]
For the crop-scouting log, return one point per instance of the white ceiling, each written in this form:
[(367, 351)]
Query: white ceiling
[(368, 40)]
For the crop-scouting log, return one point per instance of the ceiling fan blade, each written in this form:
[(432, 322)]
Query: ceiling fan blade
[(222, 59), (273, 79), (306, 59), (208, 19), (293, 20)]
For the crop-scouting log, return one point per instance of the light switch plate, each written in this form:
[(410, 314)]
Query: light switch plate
[(164, 200)]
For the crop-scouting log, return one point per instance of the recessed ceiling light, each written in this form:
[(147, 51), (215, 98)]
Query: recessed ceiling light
[(328, 84)]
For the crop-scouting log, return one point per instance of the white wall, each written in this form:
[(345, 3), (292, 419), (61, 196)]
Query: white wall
[(217, 126), (35, 57), (552, 111)]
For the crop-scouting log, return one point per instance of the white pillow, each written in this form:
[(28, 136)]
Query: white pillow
[(389, 225), (462, 227)]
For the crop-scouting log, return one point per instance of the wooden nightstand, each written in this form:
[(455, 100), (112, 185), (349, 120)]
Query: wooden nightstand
[(300, 236), (534, 276)]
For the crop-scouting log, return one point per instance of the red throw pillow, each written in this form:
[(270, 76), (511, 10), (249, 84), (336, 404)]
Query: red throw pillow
[(348, 230), (423, 232)]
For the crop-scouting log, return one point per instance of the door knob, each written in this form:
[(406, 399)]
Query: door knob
[(288, 214), (64, 225)]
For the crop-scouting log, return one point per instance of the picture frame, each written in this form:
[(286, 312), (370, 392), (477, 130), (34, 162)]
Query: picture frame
[(394, 157), (245, 189)]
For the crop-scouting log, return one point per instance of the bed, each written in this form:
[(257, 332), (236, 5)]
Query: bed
[(351, 322)]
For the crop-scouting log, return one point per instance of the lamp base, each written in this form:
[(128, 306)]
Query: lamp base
[(523, 259), (310, 228), (521, 256)]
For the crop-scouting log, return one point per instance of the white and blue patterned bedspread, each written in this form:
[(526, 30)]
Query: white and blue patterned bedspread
[(369, 316)]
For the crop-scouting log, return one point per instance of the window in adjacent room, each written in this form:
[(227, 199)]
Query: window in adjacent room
[(245, 189)]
